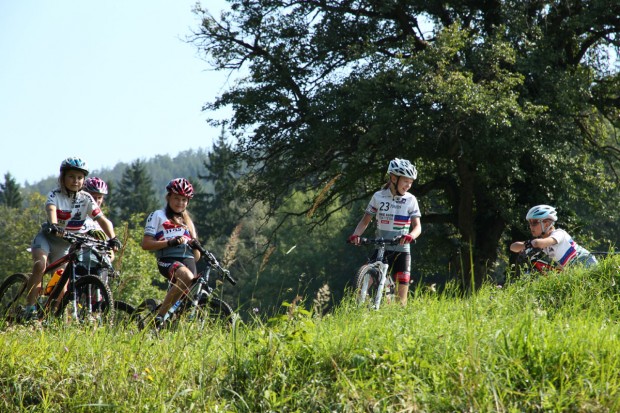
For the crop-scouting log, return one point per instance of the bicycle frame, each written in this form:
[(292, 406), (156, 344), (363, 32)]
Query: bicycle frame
[(79, 244), (200, 288)]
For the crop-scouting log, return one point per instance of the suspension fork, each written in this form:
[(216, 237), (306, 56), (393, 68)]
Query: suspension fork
[(72, 289), (383, 269)]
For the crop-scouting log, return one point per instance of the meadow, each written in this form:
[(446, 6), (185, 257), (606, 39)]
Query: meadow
[(541, 343)]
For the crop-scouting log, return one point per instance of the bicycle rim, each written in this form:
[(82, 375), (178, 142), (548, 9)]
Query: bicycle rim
[(13, 297), (92, 302), (213, 311)]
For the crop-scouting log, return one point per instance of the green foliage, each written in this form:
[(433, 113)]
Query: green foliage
[(221, 209), (542, 344), (134, 193), (306, 259), (19, 226), (501, 105), (139, 277), (10, 192)]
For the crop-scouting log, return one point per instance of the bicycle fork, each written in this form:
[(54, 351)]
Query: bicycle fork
[(383, 269)]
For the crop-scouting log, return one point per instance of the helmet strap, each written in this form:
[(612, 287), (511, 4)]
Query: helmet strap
[(395, 184), (543, 228)]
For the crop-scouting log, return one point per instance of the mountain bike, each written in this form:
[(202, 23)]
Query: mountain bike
[(533, 260), (87, 296), (372, 281), (198, 304)]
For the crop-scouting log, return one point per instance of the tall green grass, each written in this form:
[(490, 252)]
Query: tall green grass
[(539, 344)]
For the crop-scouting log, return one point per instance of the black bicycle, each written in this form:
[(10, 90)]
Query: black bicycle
[(76, 292), (198, 305)]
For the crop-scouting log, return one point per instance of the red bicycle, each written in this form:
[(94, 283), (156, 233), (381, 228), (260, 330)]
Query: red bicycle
[(86, 298)]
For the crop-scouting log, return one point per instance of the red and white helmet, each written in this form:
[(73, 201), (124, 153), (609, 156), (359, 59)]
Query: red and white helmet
[(180, 186), (96, 186)]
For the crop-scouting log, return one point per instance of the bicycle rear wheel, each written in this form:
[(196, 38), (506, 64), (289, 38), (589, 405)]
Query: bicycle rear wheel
[(93, 299), (145, 312), (366, 283), (124, 314), (13, 297)]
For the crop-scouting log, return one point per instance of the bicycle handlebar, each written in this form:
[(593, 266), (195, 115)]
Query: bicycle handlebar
[(210, 258), (380, 241), (74, 238)]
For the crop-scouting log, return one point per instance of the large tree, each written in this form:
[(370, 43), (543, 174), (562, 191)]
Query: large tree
[(134, 193), (219, 207), (500, 104)]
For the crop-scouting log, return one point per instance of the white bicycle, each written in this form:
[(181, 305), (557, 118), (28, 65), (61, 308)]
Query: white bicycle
[(372, 281)]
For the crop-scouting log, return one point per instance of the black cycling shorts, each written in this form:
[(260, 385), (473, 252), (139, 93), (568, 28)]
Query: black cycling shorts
[(400, 265), (168, 265)]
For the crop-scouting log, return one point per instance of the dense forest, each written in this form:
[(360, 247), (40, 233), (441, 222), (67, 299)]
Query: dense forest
[(500, 105)]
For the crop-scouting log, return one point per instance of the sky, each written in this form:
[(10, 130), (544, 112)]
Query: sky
[(111, 81)]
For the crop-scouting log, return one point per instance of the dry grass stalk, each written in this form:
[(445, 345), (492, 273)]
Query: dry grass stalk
[(321, 196), (232, 246), (263, 264), (321, 301)]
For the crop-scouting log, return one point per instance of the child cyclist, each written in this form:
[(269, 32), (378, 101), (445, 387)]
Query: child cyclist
[(171, 233), (98, 189), (67, 207), (397, 214), (554, 242)]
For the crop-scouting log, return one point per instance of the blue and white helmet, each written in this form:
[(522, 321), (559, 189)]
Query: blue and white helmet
[(402, 167), (74, 163), (542, 212)]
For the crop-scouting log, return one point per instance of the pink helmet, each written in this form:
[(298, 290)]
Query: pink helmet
[(96, 185), (181, 186)]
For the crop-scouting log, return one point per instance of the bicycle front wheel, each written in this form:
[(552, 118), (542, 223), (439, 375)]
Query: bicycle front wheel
[(212, 310), (366, 283), (90, 303), (13, 297)]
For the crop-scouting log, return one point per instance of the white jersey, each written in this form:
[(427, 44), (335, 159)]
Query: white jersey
[(160, 227), (394, 214), (91, 225), (72, 213), (566, 250)]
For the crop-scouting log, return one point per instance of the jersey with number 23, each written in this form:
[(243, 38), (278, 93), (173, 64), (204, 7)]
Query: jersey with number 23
[(394, 214)]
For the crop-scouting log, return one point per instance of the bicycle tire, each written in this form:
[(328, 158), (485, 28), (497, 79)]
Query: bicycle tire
[(145, 312), (13, 297), (212, 310), (95, 304), (366, 282), (124, 314)]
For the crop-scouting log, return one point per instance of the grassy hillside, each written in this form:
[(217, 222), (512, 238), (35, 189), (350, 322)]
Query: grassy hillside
[(543, 344)]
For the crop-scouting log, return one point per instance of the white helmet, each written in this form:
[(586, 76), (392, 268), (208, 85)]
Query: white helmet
[(402, 167), (542, 212)]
